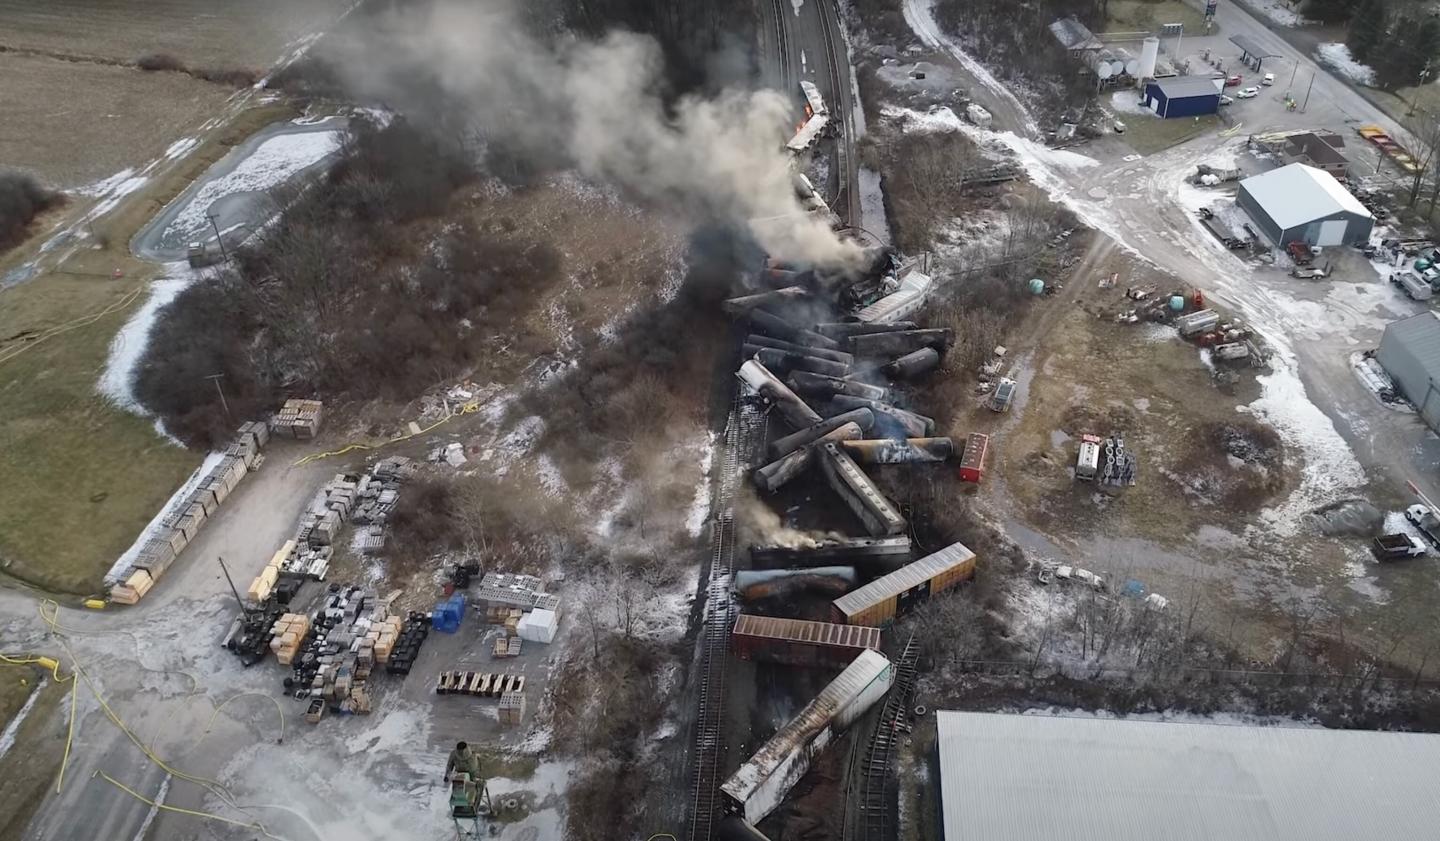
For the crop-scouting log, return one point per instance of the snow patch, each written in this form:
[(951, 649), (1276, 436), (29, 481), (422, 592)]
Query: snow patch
[(271, 164), (1128, 102), (7, 738), (180, 147), (128, 346), (700, 507), (1338, 58), (1330, 469), (1280, 12)]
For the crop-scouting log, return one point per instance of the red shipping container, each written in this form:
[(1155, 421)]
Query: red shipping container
[(972, 461)]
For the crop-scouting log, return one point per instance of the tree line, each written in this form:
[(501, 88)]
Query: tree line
[(1398, 41)]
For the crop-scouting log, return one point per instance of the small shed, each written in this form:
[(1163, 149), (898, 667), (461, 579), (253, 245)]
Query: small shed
[(1183, 96), (1410, 353), (1299, 203)]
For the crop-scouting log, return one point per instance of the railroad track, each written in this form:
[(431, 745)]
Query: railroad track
[(848, 196), (741, 431), (782, 44), (877, 783)]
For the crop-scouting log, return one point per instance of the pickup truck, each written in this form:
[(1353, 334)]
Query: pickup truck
[(1422, 518), (1390, 547)]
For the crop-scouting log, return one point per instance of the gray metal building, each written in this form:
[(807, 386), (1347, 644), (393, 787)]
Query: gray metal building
[(1299, 203), (1042, 778), (1410, 353)]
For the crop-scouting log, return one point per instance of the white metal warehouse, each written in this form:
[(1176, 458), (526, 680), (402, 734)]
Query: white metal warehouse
[(1299, 203), (1040, 778), (1410, 353)]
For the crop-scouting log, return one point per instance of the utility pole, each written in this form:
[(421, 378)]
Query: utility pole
[(228, 579), (214, 223), (1308, 88), (215, 378)]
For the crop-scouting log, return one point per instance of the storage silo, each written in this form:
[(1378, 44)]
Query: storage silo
[(1149, 54)]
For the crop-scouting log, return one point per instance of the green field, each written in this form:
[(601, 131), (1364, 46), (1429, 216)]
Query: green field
[(1149, 15), (81, 478)]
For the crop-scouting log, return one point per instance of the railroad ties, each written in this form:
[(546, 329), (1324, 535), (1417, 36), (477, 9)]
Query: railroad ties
[(743, 427), (877, 787)]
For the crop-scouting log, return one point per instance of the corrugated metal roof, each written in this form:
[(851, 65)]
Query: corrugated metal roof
[(903, 579), (1296, 194), (798, 630), (1251, 46), (1420, 335), (866, 668), (1074, 35), (1039, 778), (1180, 87)]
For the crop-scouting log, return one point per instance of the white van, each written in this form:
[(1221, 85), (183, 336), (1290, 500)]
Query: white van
[(1268, 79)]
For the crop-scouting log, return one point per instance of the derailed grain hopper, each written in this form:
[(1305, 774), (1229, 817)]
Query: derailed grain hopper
[(759, 785)]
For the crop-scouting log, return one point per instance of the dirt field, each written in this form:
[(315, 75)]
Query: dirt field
[(200, 32), (73, 123), (1146, 15)]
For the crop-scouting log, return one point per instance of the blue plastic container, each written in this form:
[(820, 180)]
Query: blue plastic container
[(1037, 286), (1177, 303), (448, 614)]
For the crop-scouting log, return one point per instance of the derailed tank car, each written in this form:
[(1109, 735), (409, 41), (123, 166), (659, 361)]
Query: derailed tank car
[(759, 785), (879, 602)]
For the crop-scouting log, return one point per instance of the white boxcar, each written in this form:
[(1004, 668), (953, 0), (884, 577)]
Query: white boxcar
[(759, 785)]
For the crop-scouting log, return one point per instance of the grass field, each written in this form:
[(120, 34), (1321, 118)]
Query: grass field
[(1148, 135), (73, 123), (215, 33), (82, 477), (1148, 15)]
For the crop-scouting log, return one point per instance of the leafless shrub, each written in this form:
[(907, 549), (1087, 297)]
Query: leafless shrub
[(235, 77), (22, 198), (157, 62), (337, 297)]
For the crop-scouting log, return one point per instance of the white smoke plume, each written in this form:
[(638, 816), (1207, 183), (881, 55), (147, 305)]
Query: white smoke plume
[(597, 105)]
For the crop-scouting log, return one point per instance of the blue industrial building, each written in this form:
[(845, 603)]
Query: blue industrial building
[(1183, 96)]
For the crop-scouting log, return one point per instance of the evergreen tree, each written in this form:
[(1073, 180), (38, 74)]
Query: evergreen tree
[(1408, 53), (1329, 11), (1368, 29)]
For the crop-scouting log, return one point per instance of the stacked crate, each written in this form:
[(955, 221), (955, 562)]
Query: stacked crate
[(287, 635), (382, 636), (133, 589), (182, 522), (299, 419)]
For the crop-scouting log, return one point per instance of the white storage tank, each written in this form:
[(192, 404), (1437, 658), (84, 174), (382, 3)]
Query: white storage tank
[(1149, 54), (1100, 63)]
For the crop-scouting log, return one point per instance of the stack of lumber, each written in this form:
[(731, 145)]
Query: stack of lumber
[(264, 583), (187, 514), (287, 635), (299, 419), (133, 589), (479, 684)]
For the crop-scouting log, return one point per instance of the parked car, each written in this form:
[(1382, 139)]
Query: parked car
[(1247, 93), (1226, 100), (1003, 394), (1268, 79), (1234, 81)]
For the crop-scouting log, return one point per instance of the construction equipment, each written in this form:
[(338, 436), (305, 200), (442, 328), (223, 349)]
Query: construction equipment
[(469, 801)]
